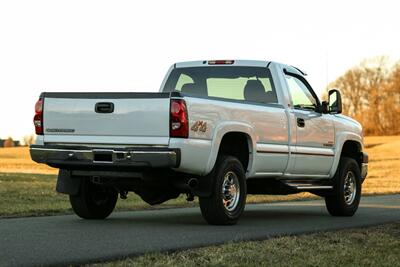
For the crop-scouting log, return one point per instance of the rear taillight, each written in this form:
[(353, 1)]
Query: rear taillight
[(179, 123), (38, 118)]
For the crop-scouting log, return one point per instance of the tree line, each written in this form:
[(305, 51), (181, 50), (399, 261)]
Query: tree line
[(26, 141), (371, 95)]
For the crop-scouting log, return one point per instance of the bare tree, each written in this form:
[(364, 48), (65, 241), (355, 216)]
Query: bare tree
[(9, 142), (29, 139), (351, 86), (376, 73), (391, 105), (371, 95)]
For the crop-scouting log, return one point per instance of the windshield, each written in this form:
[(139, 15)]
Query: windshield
[(252, 84)]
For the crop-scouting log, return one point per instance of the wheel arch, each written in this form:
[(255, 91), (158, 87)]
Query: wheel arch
[(350, 145), (226, 134)]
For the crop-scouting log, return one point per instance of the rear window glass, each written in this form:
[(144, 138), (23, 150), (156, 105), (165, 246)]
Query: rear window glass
[(251, 84)]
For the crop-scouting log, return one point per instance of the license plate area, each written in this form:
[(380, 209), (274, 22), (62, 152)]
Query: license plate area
[(103, 156)]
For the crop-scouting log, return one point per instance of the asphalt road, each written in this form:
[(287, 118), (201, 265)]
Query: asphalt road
[(64, 240)]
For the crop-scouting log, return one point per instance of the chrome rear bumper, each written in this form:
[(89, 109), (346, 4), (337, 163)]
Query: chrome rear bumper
[(108, 158)]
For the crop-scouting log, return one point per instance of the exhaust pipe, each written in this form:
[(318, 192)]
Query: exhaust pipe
[(193, 183), (186, 185)]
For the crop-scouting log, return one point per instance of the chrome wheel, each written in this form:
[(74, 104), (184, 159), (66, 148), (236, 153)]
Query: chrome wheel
[(345, 197), (230, 191), (350, 188)]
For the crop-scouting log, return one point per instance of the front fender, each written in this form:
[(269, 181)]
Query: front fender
[(341, 138)]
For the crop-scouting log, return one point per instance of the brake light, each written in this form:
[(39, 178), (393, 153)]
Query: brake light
[(38, 118), (221, 62), (179, 123)]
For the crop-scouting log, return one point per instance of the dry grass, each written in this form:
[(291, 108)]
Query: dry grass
[(384, 166), (18, 160)]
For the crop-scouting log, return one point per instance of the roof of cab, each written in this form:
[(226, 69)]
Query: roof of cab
[(204, 63), (244, 63)]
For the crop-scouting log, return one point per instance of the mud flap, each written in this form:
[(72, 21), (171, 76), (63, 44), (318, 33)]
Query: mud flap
[(66, 184), (205, 186)]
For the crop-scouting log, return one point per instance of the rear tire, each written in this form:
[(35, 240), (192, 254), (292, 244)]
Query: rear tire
[(228, 197), (347, 189), (93, 201)]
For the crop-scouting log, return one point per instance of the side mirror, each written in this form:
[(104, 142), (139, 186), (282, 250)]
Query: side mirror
[(324, 107), (335, 102)]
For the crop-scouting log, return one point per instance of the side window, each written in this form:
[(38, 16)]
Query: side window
[(302, 98)]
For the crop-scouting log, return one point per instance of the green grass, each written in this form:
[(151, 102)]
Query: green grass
[(24, 194), (374, 246), (29, 194)]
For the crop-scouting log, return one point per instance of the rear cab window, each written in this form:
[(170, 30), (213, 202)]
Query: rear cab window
[(247, 84)]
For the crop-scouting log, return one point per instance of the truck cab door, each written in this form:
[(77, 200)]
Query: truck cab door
[(312, 154)]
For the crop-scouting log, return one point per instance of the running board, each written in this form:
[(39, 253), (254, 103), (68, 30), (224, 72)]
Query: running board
[(298, 186)]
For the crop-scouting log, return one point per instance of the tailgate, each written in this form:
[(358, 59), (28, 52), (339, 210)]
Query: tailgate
[(106, 118)]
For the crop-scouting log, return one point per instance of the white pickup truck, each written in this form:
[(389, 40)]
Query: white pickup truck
[(218, 130)]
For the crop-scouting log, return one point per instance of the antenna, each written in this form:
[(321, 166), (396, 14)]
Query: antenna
[(327, 66)]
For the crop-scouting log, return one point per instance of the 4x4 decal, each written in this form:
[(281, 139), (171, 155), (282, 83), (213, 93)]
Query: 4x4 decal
[(199, 126)]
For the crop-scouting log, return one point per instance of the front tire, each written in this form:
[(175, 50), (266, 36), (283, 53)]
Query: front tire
[(93, 201), (347, 189), (228, 197)]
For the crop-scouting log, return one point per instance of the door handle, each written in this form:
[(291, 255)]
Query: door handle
[(300, 122), (104, 107)]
